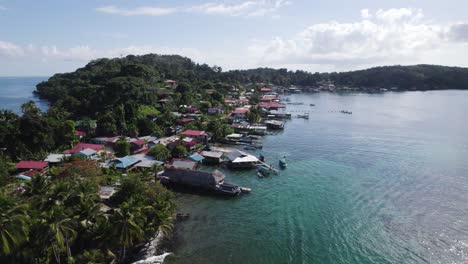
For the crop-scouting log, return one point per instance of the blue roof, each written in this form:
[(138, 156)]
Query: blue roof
[(196, 157), (125, 162)]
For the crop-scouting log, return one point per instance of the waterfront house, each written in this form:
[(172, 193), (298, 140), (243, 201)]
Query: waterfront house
[(184, 164), (81, 146), (240, 160), (31, 167), (106, 192), (239, 114), (192, 178), (126, 163), (196, 157), (212, 157)]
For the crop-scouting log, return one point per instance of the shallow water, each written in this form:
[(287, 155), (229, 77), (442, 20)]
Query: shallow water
[(387, 184)]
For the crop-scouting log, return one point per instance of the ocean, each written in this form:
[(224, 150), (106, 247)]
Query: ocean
[(387, 184), (15, 91)]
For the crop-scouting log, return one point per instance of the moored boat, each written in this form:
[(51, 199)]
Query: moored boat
[(283, 163)]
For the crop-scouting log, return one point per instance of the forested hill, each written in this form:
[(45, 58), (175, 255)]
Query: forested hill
[(104, 82)]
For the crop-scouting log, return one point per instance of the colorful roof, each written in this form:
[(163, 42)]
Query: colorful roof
[(240, 111), (82, 146), (80, 133), (31, 164), (265, 89), (139, 142), (193, 133), (125, 162), (183, 164)]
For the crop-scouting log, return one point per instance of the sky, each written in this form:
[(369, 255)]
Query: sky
[(40, 38)]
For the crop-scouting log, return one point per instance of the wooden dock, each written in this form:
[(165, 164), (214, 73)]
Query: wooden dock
[(273, 169)]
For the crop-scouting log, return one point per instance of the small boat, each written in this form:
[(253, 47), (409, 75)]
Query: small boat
[(250, 148), (226, 188), (181, 216), (304, 116), (263, 170), (312, 104), (282, 163), (261, 157), (259, 174)]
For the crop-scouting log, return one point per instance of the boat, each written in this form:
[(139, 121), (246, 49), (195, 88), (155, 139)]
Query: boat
[(282, 163), (250, 148), (226, 188), (304, 116), (312, 104), (263, 169), (346, 112), (274, 124), (261, 157), (260, 175)]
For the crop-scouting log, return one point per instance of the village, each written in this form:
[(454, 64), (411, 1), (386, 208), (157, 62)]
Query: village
[(188, 148)]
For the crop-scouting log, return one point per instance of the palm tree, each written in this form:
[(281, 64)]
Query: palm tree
[(60, 231), (14, 228), (127, 226)]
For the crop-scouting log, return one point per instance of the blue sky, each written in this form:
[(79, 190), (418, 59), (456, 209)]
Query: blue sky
[(44, 37)]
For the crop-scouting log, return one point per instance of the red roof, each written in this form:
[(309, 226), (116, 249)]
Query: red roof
[(186, 120), (265, 89), (31, 164), (193, 133), (139, 142), (240, 111), (270, 105), (82, 146), (80, 133)]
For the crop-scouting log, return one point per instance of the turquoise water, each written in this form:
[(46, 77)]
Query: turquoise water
[(387, 184), (14, 91)]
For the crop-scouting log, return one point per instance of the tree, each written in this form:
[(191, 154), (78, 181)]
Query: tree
[(160, 152), (179, 151), (122, 147), (106, 125), (14, 228)]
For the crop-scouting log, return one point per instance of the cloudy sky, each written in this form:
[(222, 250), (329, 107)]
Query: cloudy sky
[(39, 38)]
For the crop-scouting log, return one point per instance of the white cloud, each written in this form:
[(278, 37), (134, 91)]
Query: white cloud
[(148, 11), (10, 49), (386, 36), (246, 8)]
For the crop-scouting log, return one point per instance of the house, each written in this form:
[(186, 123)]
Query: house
[(81, 146), (188, 142), (196, 157), (138, 145), (215, 110), (271, 105), (241, 160), (186, 120), (87, 153), (183, 164), (211, 157), (200, 135), (31, 167), (192, 178), (80, 134), (146, 162), (106, 192), (126, 163), (57, 158), (265, 90), (171, 84), (193, 109), (86, 125), (239, 113)]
